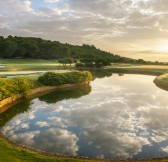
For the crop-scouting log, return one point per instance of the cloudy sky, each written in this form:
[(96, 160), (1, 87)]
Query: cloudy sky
[(131, 28)]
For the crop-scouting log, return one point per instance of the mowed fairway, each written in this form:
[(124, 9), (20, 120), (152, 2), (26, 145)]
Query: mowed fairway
[(158, 69), (30, 64)]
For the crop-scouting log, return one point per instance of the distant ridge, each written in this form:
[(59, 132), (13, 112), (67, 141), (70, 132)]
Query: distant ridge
[(37, 48)]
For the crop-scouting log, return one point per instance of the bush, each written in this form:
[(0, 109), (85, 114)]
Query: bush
[(13, 86), (78, 65), (54, 79)]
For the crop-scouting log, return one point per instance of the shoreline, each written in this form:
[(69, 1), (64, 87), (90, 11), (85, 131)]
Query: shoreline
[(161, 79), (8, 102), (161, 82), (41, 152), (67, 158)]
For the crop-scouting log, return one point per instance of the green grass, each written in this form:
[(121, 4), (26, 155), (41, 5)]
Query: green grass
[(27, 61), (141, 69), (163, 77), (157, 70), (31, 64), (9, 153)]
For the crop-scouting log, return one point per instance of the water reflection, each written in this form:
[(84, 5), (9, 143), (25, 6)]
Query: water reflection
[(10, 113), (60, 95), (122, 117), (101, 73)]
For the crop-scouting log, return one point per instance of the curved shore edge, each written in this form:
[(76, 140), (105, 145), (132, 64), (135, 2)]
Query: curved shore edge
[(162, 81), (10, 101), (53, 157)]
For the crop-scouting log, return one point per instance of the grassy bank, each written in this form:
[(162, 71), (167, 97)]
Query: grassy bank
[(16, 88), (31, 64), (162, 81), (161, 72), (148, 70), (11, 153), (163, 78), (13, 87)]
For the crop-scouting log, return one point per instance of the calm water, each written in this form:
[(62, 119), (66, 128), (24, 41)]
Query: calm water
[(117, 117)]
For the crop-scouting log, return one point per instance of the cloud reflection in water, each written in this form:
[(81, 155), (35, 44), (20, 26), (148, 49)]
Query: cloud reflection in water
[(120, 117)]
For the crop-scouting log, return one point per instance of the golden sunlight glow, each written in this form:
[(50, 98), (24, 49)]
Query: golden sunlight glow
[(163, 47)]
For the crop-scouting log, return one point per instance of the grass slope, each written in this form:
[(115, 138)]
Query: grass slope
[(9, 153), (163, 78), (26, 61), (30, 64), (141, 69)]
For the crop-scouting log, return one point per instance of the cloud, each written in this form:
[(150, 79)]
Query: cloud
[(165, 149), (42, 124), (15, 6), (116, 145), (24, 126), (115, 121), (51, 1), (58, 141), (52, 140), (57, 121), (108, 24), (25, 138)]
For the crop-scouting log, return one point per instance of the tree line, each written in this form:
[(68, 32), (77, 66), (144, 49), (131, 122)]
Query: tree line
[(37, 48)]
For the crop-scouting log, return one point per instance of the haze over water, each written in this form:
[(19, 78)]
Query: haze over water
[(117, 117)]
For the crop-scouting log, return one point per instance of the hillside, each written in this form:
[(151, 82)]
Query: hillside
[(28, 47), (37, 48)]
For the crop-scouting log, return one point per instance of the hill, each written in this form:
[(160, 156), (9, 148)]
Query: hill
[(37, 48)]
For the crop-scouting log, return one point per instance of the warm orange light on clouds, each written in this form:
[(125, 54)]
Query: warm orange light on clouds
[(148, 50), (131, 28)]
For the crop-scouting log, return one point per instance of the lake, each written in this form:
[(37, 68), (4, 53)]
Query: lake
[(116, 117)]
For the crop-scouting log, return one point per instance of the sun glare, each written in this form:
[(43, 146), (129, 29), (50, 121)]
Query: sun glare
[(163, 47)]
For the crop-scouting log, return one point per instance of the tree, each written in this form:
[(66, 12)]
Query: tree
[(3, 47), (11, 48), (69, 60), (30, 47), (62, 61), (140, 61)]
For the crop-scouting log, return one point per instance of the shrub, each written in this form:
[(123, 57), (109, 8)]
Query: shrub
[(76, 77), (13, 86), (78, 65)]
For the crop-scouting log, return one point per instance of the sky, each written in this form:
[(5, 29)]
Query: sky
[(130, 28)]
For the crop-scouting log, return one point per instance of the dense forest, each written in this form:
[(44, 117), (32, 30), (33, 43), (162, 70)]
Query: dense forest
[(37, 48)]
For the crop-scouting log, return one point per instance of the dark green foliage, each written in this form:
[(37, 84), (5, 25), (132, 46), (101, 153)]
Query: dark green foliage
[(54, 79), (87, 60), (13, 86), (68, 93), (91, 63), (15, 110), (29, 47), (20, 47), (65, 61), (80, 65), (62, 61)]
